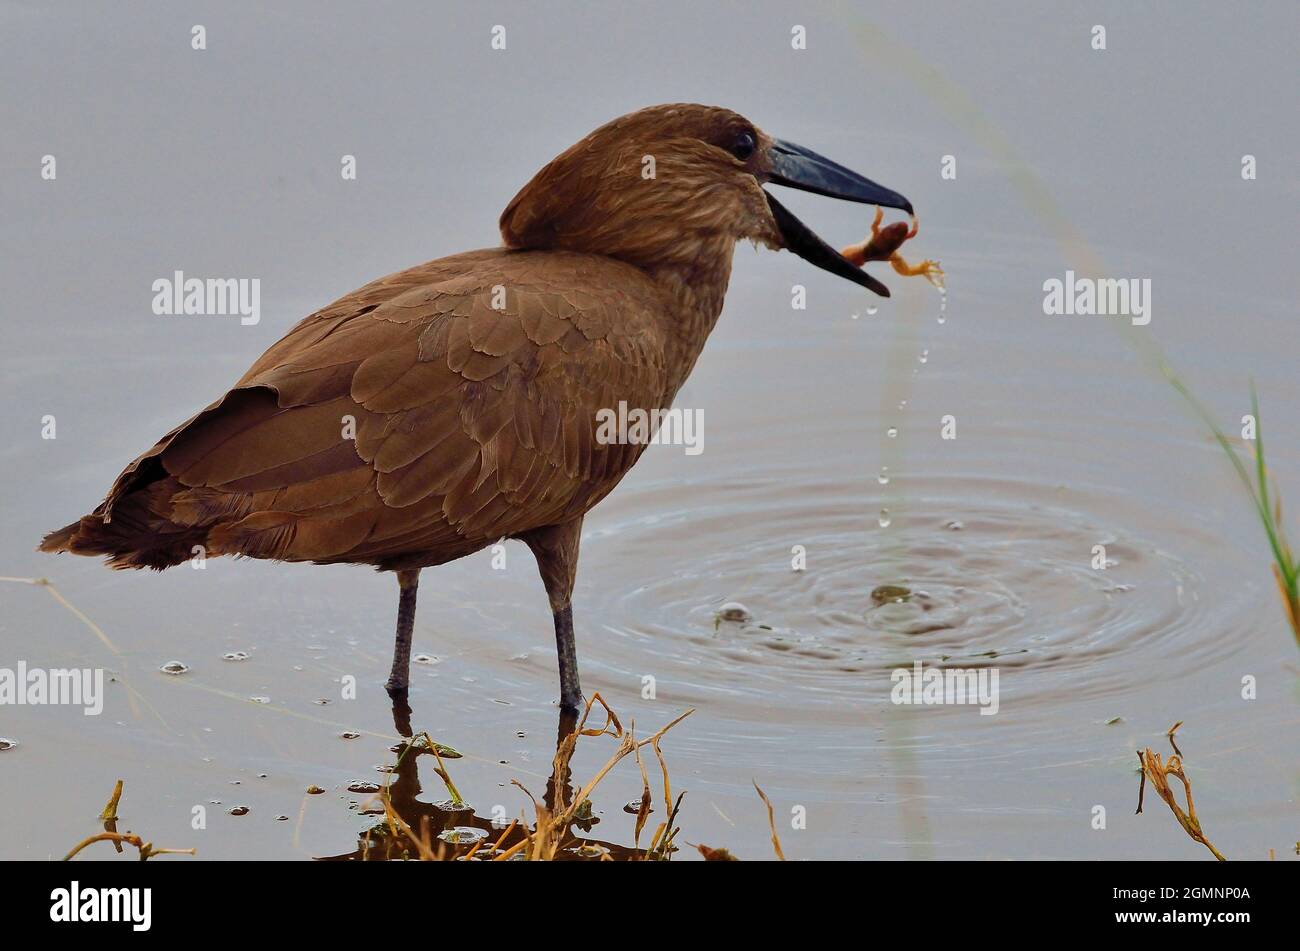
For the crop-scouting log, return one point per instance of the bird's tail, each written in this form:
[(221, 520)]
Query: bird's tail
[(136, 536)]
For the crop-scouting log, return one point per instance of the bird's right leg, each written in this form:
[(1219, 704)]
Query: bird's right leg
[(399, 678), (556, 550)]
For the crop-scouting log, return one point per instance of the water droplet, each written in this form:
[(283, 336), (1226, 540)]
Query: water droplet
[(884, 518), (872, 309), (235, 655), (239, 811), (954, 526), (349, 734), (7, 744), (174, 667), (853, 316), (924, 357), (891, 432), (424, 659), (902, 404), (883, 478), (260, 699), (281, 818)]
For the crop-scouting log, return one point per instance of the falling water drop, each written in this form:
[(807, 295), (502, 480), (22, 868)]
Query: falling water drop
[(884, 518), (871, 309), (925, 356), (883, 478), (891, 432)]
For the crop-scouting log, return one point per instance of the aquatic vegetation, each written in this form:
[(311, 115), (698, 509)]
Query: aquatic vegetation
[(548, 838), (110, 834), (1157, 771)]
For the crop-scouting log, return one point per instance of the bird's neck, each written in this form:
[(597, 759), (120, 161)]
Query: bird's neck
[(694, 290)]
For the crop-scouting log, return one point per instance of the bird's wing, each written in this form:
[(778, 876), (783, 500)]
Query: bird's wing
[(441, 407)]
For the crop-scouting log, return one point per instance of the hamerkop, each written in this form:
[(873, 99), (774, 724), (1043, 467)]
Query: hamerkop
[(443, 408)]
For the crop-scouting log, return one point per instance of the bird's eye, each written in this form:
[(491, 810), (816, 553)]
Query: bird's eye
[(744, 145)]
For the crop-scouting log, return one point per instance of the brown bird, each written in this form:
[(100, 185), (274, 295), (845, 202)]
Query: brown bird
[(443, 408)]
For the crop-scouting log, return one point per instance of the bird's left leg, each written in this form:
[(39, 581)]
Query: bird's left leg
[(556, 550), (399, 677)]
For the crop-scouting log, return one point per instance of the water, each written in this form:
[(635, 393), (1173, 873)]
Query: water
[(1063, 443)]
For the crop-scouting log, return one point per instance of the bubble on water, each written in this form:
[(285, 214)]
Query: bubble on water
[(239, 810), (891, 432), (634, 807), (314, 790), (175, 668), (462, 835), (424, 659), (871, 310), (448, 805), (954, 525), (7, 744), (349, 735), (853, 316), (883, 478), (891, 594), (235, 655), (734, 611), (884, 518), (322, 702), (281, 818), (385, 768), (260, 699), (364, 786)]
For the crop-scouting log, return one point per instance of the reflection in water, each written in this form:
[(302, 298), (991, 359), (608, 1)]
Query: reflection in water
[(451, 830)]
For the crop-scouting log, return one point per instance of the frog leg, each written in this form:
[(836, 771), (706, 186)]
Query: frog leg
[(928, 269)]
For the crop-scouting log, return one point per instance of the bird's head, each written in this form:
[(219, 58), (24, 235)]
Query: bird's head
[(679, 184)]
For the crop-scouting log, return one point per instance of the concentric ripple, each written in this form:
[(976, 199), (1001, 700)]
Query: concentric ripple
[(998, 572)]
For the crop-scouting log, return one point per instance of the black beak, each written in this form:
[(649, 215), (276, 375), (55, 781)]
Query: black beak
[(801, 168)]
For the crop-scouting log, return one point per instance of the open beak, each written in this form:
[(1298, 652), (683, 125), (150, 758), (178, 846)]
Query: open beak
[(797, 167)]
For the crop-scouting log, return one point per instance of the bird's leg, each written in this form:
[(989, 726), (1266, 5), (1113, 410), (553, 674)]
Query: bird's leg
[(400, 677), (566, 649), (556, 550)]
